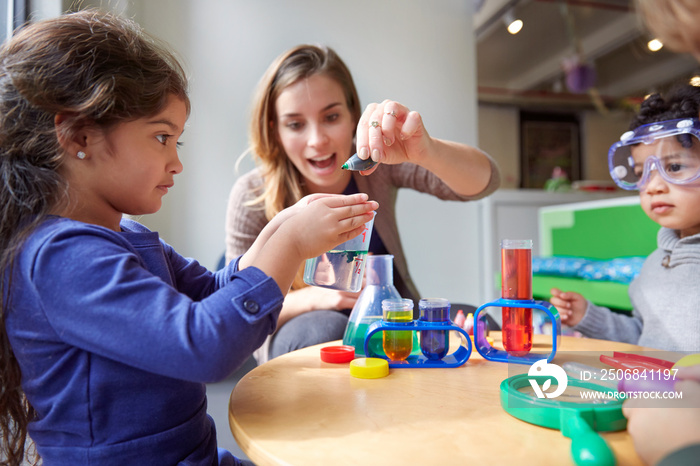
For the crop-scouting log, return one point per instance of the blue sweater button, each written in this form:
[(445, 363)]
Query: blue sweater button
[(251, 306)]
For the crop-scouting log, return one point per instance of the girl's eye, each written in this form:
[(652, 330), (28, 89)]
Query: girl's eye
[(673, 167), (164, 138), (294, 125), (332, 117)]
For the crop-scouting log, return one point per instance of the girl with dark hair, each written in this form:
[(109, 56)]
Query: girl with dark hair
[(107, 335)]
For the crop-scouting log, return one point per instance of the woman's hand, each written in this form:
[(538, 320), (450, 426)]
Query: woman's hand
[(312, 298), (390, 133)]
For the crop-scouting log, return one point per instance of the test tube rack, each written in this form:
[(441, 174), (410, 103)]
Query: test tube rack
[(454, 359), (492, 354)]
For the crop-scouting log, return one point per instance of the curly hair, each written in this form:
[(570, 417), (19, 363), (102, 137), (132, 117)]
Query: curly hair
[(94, 68), (680, 102)]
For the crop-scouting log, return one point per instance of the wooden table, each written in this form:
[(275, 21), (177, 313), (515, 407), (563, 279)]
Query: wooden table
[(298, 410)]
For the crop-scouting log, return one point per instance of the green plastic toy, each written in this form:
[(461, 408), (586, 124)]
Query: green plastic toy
[(578, 421)]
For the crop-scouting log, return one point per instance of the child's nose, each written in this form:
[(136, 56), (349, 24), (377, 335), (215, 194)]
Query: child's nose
[(175, 166), (655, 181)]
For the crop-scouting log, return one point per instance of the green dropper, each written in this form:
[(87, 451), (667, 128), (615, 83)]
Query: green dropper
[(355, 163)]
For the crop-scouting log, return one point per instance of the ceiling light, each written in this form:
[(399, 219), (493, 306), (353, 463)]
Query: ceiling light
[(512, 24), (515, 26), (655, 45), (694, 81)]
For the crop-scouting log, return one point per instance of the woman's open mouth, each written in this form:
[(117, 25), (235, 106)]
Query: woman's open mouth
[(323, 162)]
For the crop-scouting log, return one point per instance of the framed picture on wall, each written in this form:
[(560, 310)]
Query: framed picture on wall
[(548, 141)]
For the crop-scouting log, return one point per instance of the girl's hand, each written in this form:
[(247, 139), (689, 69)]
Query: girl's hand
[(322, 222), (296, 208), (571, 306), (249, 258), (390, 133)]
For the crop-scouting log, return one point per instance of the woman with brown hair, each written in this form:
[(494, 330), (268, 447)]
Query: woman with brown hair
[(306, 123)]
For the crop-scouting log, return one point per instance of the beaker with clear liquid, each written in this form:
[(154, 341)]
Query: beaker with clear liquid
[(342, 267)]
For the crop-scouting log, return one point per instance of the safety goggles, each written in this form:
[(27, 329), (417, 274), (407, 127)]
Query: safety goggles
[(671, 147)]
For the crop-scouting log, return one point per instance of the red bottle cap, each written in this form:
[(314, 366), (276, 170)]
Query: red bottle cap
[(338, 354)]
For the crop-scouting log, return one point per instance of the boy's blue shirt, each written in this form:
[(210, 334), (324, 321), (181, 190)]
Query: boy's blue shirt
[(116, 334)]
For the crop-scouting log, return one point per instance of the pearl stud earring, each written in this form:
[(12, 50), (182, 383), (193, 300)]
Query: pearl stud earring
[(80, 155)]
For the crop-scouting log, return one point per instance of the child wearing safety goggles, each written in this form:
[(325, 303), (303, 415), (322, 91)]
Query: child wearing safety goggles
[(660, 157)]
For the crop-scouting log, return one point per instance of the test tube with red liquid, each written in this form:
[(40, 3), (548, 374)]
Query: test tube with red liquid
[(516, 283)]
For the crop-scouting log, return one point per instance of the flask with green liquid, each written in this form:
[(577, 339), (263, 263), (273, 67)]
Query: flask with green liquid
[(368, 308)]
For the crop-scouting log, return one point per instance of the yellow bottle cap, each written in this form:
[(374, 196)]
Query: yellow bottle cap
[(687, 360), (369, 368)]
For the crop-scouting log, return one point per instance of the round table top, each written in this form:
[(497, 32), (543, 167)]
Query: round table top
[(298, 410)]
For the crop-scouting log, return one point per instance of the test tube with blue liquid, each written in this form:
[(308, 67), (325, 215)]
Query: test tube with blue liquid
[(434, 343)]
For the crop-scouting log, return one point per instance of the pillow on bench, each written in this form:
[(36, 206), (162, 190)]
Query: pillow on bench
[(620, 270)]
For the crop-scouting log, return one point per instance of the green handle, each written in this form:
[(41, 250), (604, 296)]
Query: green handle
[(587, 447)]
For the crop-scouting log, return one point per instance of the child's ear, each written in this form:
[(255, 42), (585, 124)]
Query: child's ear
[(71, 134)]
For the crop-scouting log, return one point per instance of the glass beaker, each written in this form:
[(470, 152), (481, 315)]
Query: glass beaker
[(368, 307), (342, 267), (397, 344), (516, 283), (434, 343)]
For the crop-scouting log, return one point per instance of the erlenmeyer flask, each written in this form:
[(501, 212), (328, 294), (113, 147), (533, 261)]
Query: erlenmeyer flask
[(368, 308)]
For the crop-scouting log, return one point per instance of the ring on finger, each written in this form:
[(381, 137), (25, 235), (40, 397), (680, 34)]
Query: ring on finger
[(392, 113), (374, 124)]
